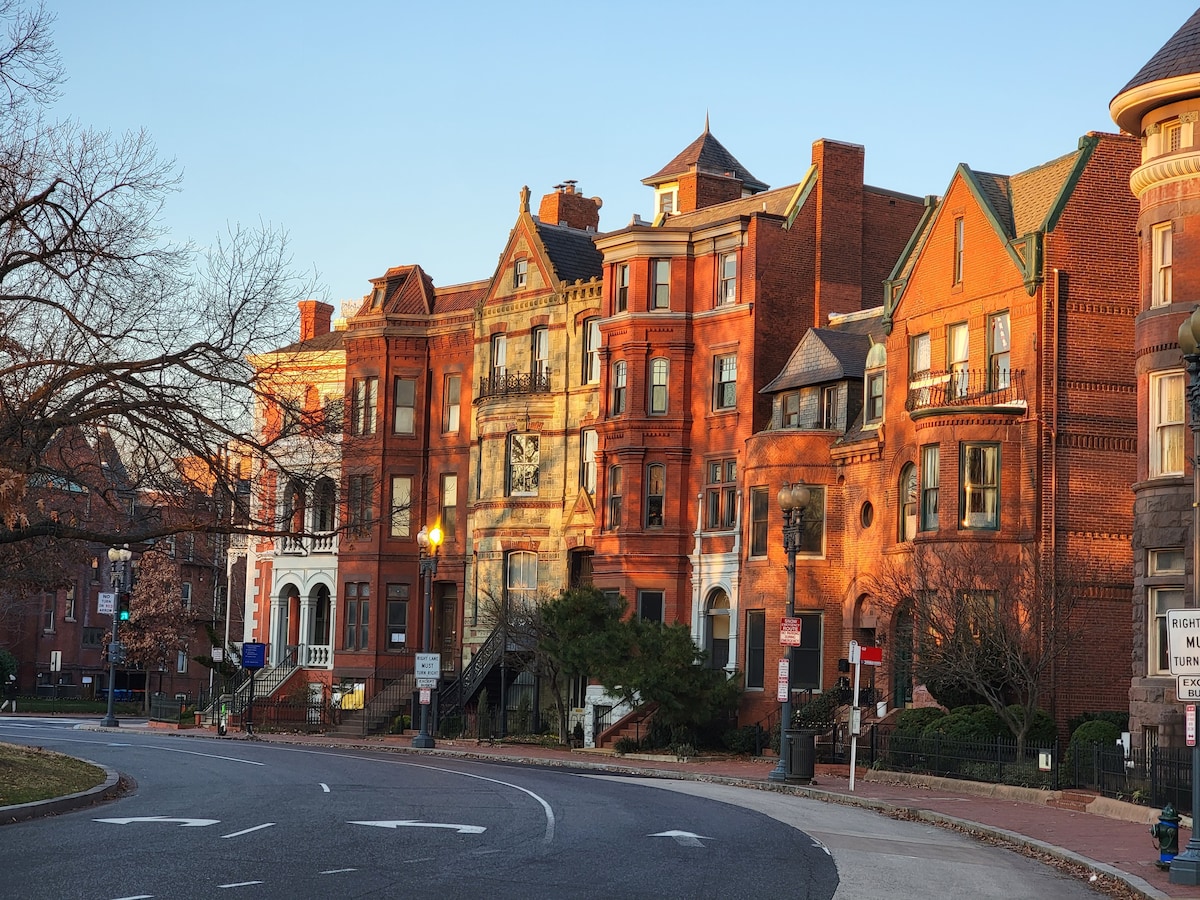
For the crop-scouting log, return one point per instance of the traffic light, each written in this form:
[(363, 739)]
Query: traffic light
[(123, 606)]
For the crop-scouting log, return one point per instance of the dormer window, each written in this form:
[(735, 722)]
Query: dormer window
[(668, 201), (876, 369), (520, 273)]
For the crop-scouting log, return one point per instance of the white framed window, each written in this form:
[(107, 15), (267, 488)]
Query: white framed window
[(524, 459), (452, 404), (185, 593), (181, 662), (958, 358), (587, 459), (499, 357), (656, 490), (1161, 600), (404, 418), (622, 299), (660, 284), (591, 351), (401, 511), (363, 405), (829, 406), (1167, 429), (1161, 241), (659, 370), (930, 479), (919, 358), (540, 351), (999, 352), (873, 411), (614, 497), (727, 285), (668, 200), (521, 579), (620, 374), (979, 486), (1172, 136), (520, 273), (725, 382), (449, 506), (651, 606), (908, 502)]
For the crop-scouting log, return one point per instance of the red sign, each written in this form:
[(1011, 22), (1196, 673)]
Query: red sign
[(871, 656), (426, 696), (789, 631)]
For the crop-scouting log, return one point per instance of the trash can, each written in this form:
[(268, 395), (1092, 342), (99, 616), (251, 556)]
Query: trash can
[(802, 755)]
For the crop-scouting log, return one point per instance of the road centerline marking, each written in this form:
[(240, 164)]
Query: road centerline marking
[(248, 830)]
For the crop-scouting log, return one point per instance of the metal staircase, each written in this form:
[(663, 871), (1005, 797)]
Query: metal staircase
[(452, 700), (266, 682), (398, 683)]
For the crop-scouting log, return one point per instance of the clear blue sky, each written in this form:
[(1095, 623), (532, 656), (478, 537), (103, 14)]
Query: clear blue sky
[(388, 133)]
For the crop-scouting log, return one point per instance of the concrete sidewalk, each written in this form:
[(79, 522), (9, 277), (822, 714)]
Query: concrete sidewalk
[(1108, 838)]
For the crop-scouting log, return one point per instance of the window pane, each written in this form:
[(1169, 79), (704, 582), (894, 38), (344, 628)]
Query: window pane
[(758, 521), (756, 634)]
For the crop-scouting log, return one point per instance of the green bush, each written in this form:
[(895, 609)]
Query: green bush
[(1043, 730), (913, 721), (741, 740), (625, 745), (1097, 731), (965, 724), (1079, 758), (1116, 717)]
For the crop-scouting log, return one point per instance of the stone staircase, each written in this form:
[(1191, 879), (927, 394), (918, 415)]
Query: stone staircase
[(632, 725)]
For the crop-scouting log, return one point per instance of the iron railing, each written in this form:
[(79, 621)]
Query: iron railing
[(974, 387), (503, 384), (453, 699), (394, 684)]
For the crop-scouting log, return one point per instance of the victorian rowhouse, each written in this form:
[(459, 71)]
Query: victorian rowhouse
[(533, 429), (1160, 106), (291, 581), (998, 413), (702, 308)]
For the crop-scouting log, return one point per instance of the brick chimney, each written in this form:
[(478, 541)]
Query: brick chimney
[(315, 317), (564, 206), (839, 227)]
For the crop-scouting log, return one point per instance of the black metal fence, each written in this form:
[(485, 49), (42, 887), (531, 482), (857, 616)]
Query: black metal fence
[(282, 714), (165, 708), (1151, 777)]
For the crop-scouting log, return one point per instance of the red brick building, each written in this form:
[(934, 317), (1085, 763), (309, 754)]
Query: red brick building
[(990, 404)]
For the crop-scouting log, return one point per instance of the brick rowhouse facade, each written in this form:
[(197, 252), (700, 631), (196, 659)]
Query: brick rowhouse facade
[(1006, 332), (702, 308), (1160, 106)]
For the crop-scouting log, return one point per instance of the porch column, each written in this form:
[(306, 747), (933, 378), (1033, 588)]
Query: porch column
[(278, 631), (306, 618)]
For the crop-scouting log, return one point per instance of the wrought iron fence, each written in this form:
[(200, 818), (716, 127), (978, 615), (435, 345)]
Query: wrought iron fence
[(501, 384), (165, 708), (966, 388), (283, 714)]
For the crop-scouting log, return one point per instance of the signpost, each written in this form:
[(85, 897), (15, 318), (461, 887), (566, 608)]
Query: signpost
[(106, 603), (428, 665), (1188, 687), (254, 657), (789, 631)]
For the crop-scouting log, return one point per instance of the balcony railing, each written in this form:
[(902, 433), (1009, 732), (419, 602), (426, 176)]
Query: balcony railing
[(503, 384), (974, 387), (305, 545)]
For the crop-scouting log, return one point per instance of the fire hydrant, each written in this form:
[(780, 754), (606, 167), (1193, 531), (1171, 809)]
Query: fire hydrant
[(1166, 835)]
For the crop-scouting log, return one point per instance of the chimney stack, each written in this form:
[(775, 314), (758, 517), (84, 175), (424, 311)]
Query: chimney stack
[(315, 317), (565, 206)]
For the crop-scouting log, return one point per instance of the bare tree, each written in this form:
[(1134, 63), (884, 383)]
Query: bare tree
[(112, 331), (988, 621)]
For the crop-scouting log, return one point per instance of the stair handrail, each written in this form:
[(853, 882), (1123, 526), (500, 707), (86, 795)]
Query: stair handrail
[(454, 697)]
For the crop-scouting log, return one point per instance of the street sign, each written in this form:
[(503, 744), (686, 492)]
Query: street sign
[(55, 660), (781, 693), (426, 697), (428, 665), (427, 682), (871, 656), (254, 655), (218, 654), (789, 631), (106, 603), (1187, 687), (1183, 641), (1189, 720)]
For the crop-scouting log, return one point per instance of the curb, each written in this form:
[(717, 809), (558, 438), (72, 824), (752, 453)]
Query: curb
[(107, 790)]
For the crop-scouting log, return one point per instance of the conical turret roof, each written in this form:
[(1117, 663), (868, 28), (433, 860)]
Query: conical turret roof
[(1176, 65), (706, 154)]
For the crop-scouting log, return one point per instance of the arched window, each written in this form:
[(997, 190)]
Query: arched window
[(908, 502), (294, 507), (656, 489), (324, 506), (521, 579), (658, 386)]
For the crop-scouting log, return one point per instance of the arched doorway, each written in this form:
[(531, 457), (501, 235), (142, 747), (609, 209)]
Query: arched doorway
[(717, 616)]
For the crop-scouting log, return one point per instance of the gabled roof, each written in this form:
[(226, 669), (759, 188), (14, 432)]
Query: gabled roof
[(1021, 209), (572, 252), (706, 154), (833, 353)]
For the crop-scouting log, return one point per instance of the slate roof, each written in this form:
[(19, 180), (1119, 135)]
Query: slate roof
[(771, 202), (1178, 56), (706, 154), (1021, 203), (456, 297), (331, 340), (831, 353), (572, 252)]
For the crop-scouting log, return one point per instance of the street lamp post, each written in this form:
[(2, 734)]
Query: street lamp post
[(792, 500), (116, 563), (429, 540), (1185, 868)]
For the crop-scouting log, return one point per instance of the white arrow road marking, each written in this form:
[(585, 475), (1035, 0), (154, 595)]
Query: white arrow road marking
[(412, 823), (136, 897), (248, 830), (185, 823), (683, 838), (324, 786)]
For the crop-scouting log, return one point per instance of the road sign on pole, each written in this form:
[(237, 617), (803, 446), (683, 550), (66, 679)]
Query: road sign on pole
[(789, 631), (1187, 687), (106, 603), (1190, 724), (426, 696), (781, 692), (1183, 641), (428, 665)]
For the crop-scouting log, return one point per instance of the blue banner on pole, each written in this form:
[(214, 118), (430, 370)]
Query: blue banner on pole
[(254, 655)]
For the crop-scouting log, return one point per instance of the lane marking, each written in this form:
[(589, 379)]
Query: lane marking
[(183, 823), (248, 830), (413, 823), (63, 740), (336, 871), (136, 897), (234, 884), (683, 838), (324, 786)]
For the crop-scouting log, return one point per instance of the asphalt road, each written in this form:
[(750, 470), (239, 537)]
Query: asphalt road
[(214, 818)]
